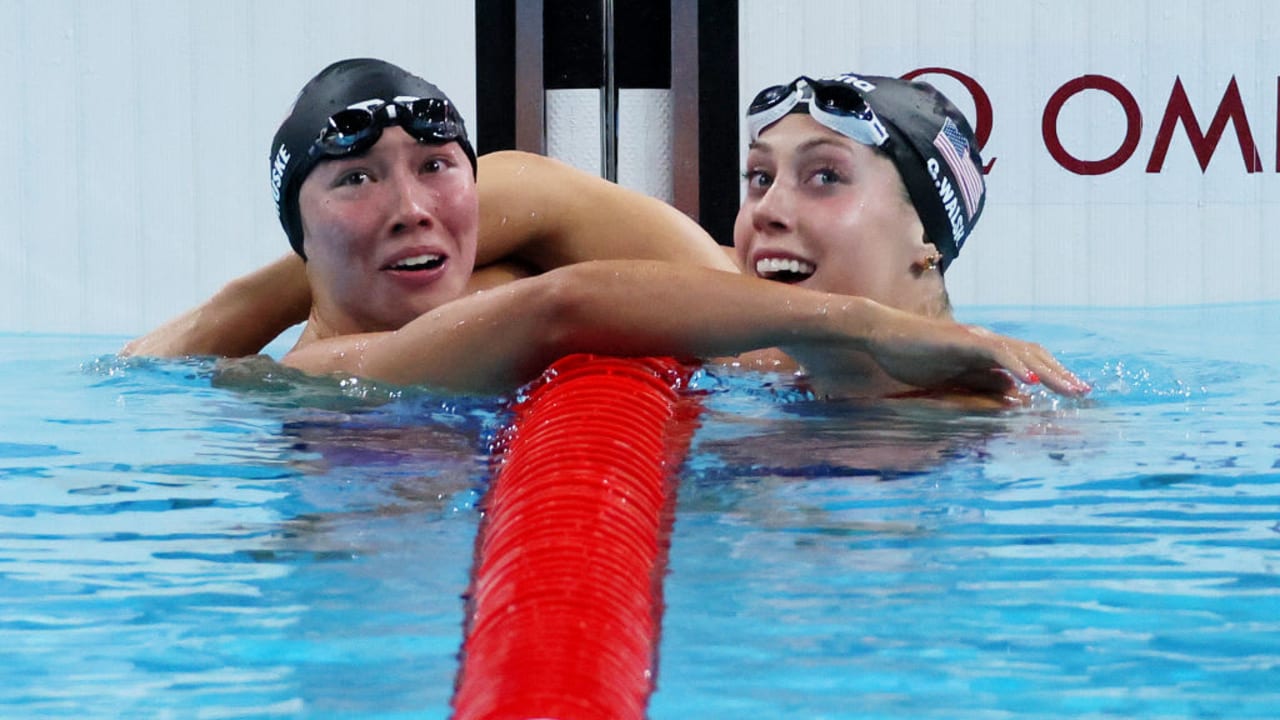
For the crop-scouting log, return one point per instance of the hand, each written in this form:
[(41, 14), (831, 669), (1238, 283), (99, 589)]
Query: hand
[(940, 353)]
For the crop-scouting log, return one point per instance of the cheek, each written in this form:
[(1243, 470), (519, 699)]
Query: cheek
[(330, 227), (742, 235), (462, 210)]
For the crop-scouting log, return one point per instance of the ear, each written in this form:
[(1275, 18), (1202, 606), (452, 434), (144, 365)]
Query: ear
[(927, 258)]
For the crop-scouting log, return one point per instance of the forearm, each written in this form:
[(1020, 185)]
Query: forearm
[(665, 309), (240, 319), (499, 339), (640, 307)]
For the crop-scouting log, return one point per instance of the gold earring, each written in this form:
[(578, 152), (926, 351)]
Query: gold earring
[(930, 263)]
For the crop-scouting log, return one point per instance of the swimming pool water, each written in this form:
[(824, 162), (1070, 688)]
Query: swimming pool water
[(174, 543)]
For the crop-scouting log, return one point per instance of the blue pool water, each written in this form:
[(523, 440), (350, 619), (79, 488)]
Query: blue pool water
[(175, 545)]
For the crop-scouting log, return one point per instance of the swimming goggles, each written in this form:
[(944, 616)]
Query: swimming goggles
[(358, 127), (834, 103)]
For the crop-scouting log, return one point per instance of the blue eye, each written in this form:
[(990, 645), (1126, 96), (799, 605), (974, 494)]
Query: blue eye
[(827, 176), (758, 179)]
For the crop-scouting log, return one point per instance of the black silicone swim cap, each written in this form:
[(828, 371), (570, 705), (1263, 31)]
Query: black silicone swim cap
[(335, 88), (935, 151)]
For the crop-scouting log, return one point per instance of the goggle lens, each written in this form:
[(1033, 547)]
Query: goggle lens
[(769, 97), (347, 128), (838, 98)]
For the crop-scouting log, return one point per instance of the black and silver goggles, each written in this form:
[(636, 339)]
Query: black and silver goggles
[(357, 127), (834, 103)]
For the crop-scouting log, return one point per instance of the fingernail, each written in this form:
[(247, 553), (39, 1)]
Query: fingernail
[(1033, 378)]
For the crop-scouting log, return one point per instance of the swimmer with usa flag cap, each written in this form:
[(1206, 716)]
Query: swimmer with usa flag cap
[(863, 185)]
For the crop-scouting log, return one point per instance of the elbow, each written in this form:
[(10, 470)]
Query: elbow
[(560, 311)]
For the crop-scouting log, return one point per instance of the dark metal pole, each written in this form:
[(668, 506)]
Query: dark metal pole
[(609, 101), (531, 132)]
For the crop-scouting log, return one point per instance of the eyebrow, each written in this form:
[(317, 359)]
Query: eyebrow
[(818, 142), (804, 147)]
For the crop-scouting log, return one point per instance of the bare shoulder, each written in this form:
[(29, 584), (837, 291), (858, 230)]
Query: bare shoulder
[(496, 169)]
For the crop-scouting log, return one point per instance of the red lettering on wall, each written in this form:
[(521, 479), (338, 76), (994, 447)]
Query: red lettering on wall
[(1133, 125), (981, 104), (1230, 108), (1177, 110)]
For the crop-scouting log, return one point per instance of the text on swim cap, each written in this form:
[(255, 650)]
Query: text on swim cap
[(857, 82), (278, 166), (950, 203)]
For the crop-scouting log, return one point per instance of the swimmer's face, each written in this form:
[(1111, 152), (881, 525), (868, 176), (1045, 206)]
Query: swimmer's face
[(828, 213), (390, 233)]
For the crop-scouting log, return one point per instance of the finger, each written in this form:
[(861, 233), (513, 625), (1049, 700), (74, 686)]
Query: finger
[(1010, 357), (1055, 375), (1064, 382)]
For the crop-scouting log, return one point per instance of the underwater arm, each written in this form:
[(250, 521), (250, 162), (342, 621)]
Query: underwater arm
[(497, 340)]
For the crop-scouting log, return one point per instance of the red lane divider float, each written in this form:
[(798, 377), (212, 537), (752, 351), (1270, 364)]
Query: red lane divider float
[(566, 596)]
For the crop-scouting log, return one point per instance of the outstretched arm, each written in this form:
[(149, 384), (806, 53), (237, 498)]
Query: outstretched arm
[(240, 319), (497, 340)]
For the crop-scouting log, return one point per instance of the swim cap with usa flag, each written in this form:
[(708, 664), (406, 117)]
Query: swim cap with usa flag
[(935, 151)]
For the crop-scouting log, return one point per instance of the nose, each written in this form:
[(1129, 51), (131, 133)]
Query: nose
[(414, 204), (774, 210)]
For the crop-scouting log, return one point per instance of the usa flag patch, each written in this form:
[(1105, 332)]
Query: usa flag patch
[(951, 142)]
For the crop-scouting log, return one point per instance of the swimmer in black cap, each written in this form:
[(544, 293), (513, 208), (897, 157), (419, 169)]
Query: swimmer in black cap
[(863, 185), (367, 151), (382, 201), (353, 100)]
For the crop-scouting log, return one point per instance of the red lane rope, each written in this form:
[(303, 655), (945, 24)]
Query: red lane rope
[(566, 596)]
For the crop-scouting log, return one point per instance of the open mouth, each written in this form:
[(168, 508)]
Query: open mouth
[(786, 270), (427, 261)]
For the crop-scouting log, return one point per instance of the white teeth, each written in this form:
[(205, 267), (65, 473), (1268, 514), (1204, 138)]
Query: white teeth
[(418, 260), (765, 266)]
